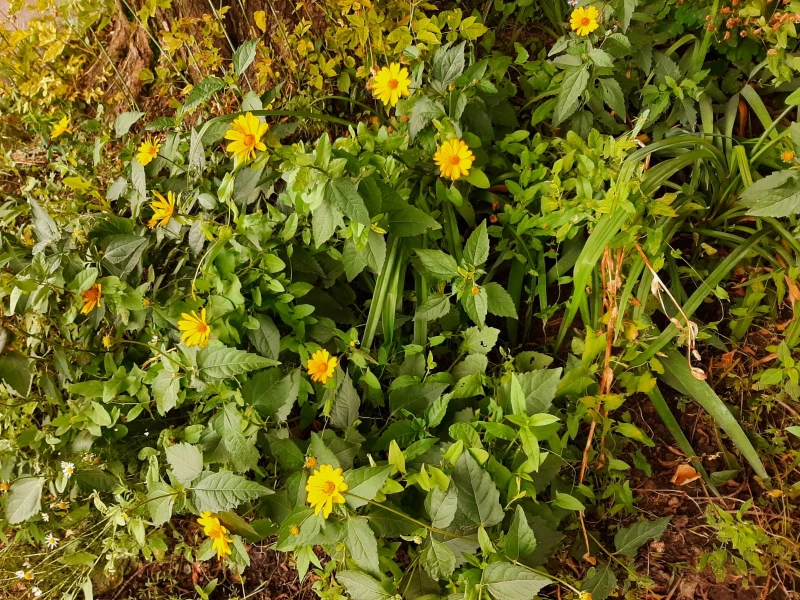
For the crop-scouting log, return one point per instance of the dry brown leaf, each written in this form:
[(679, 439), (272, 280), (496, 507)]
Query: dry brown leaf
[(685, 474)]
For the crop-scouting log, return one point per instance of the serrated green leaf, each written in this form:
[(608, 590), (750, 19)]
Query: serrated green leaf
[(220, 362), (24, 499), (478, 496), (361, 544), (437, 559), (272, 393), (343, 194), (435, 307), (476, 250), (574, 84), (224, 491), (362, 587), (506, 581), (520, 540), (437, 264), (499, 301), (186, 462), (365, 483), (244, 56), (629, 539)]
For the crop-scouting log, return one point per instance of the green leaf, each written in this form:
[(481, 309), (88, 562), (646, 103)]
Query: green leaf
[(437, 559), (423, 112), (442, 506), (361, 544), (24, 499), (203, 91), (165, 391), (435, 307), (244, 56), (78, 559), (220, 362), (346, 403), (343, 194), (389, 524), (510, 582), (365, 482), (629, 539), (224, 491), (410, 221), (125, 121), (160, 502), (83, 280), (573, 85), (272, 393), (15, 371), (520, 540), (776, 195), (123, 253), (631, 431), (476, 250), (448, 63), (46, 229), (303, 517), (186, 462), (415, 398), (568, 502), (480, 340), (227, 423), (362, 587), (499, 301), (678, 375), (267, 338), (437, 264), (477, 178), (613, 96), (478, 497), (600, 583), (476, 305)]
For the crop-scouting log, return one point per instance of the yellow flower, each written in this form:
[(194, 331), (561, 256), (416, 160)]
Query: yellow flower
[(148, 151), (91, 298), (584, 20), (195, 329), (454, 158), (60, 128), (325, 488), (3, 487), (311, 462), (294, 530), (245, 135), (390, 83), (163, 209), (788, 156), (321, 366), (217, 532), (107, 341)]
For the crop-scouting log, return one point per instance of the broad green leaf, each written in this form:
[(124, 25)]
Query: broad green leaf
[(477, 178), (24, 499), (343, 194), (186, 461), (409, 221), (165, 391), (346, 403), (520, 540), (475, 305), (478, 497), (361, 544), (573, 85), (435, 307), (224, 491), (530, 445), (416, 397), (241, 451), (75, 559), (423, 112), (476, 250), (480, 340), (304, 519), (389, 524), (437, 559), (631, 431), (272, 393), (43, 224), (499, 301), (15, 371), (613, 96), (362, 587), (437, 264), (600, 583), (442, 506), (448, 63), (506, 581), (568, 502), (123, 253), (125, 121), (203, 91), (365, 483), (220, 362), (776, 195), (267, 338), (629, 539), (160, 502), (244, 56)]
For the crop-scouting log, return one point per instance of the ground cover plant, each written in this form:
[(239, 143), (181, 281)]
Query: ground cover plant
[(380, 300)]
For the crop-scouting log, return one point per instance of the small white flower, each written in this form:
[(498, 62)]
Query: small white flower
[(63, 505), (36, 592), (146, 433), (154, 340), (20, 574), (67, 468), (573, 2), (51, 541), (45, 517)]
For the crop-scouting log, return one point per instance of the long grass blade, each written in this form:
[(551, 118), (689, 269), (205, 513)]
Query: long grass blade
[(678, 375)]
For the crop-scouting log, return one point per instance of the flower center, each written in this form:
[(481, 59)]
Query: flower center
[(152, 150), (202, 327), (392, 84), (92, 295), (586, 21), (329, 487), (455, 160), (249, 140)]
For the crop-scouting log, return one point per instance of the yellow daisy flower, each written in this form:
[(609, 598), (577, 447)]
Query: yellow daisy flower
[(195, 329), (91, 298), (390, 83), (217, 532), (454, 159), (148, 151), (60, 128), (107, 341), (321, 366), (311, 462), (245, 135), (325, 488), (583, 20), (163, 209)]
